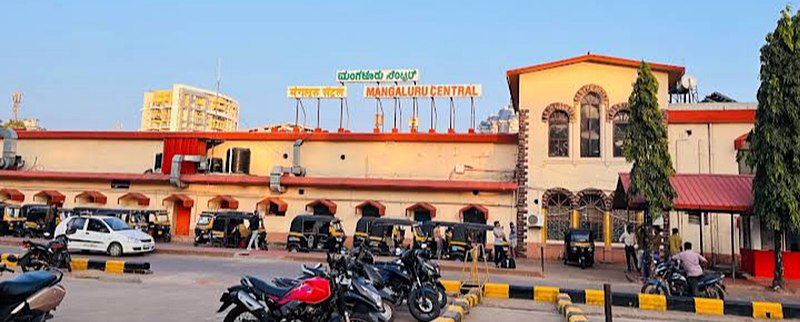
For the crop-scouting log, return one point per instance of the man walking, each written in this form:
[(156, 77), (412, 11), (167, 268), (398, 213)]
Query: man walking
[(499, 238), (675, 242), (629, 239), (255, 224), (691, 261)]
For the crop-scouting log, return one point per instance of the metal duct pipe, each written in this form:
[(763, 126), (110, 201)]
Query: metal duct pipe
[(9, 160), (175, 172), (297, 169)]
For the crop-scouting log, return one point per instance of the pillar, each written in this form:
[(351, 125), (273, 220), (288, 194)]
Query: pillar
[(576, 219), (639, 217), (607, 235), (543, 231)]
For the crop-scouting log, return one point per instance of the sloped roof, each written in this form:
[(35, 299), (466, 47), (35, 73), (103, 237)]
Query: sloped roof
[(702, 192)]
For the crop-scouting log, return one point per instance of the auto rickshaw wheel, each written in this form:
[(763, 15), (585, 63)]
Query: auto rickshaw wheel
[(168, 238), (293, 249)]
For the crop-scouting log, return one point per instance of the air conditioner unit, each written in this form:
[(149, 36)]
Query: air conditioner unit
[(535, 220)]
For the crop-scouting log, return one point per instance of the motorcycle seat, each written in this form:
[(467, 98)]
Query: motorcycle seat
[(269, 288), (22, 286), (285, 282), (708, 279)]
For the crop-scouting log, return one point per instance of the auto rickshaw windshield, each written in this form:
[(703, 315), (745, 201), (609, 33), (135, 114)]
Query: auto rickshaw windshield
[(203, 220), (162, 218), (337, 225), (12, 212), (580, 237)]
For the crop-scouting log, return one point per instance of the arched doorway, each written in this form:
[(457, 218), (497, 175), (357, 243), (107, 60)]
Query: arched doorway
[(371, 208), (474, 214), (50, 197), (273, 206), (421, 212), (321, 207), (181, 212), (558, 203), (223, 202), (591, 206)]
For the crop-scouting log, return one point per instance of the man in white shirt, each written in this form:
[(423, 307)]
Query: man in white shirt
[(629, 239), (499, 239), (691, 263)]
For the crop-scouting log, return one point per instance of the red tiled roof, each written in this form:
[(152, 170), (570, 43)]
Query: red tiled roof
[(12, 194), (184, 200), (225, 202), (380, 206), (140, 198), (325, 202), (741, 142), (92, 196), (423, 206), (480, 208), (282, 205), (706, 192), (54, 196)]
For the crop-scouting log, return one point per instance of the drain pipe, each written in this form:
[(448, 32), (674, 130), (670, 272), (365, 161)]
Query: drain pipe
[(175, 172), (9, 160), (296, 169)]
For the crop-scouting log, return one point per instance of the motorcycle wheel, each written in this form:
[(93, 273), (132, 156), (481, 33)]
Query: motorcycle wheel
[(360, 317), (31, 262), (423, 304), (715, 292), (240, 314), (388, 310), (652, 289), (442, 295)]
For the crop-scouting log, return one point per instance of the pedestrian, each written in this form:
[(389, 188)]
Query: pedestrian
[(675, 242), (512, 240), (499, 238), (691, 264), (629, 240), (437, 238), (255, 224)]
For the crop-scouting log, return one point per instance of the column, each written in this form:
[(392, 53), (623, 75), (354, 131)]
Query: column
[(576, 218), (607, 235), (543, 232)]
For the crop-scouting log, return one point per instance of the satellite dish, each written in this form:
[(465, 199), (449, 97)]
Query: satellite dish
[(688, 83)]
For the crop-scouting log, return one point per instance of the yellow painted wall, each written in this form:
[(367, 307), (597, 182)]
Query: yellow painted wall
[(134, 156)]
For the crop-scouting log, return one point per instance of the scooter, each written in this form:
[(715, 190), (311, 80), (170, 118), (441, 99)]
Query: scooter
[(30, 296)]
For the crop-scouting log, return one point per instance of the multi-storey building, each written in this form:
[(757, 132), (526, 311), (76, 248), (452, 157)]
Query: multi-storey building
[(189, 109)]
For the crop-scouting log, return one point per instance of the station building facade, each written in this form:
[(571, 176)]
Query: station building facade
[(563, 165)]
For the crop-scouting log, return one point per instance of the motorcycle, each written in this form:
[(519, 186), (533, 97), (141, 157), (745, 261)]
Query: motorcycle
[(412, 277), (668, 279), (332, 295), (43, 257), (30, 296)]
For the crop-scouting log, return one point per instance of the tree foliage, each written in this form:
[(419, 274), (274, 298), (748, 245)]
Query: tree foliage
[(646, 145), (775, 139)]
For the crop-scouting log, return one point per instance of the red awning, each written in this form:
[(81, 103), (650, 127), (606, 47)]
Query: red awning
[(140, 199), (422, 206), (705, 192), (52, 196), (177, 197), (480, 208), (92, 197), (12, 194), (380, 206), (327, 203), (225, 202), (282, 205), (741, 142)]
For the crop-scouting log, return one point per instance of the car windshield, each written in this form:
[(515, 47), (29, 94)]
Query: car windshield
[(204, 220), (116, 224)]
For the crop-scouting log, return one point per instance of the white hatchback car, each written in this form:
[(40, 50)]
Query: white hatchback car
[(104, 234)]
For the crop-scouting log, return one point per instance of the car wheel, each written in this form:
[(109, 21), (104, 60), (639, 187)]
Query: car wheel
[(115, 250)]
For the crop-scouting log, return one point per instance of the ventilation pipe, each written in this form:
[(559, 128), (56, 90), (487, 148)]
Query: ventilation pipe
[(175, 172), (296, 169), (9, 160)]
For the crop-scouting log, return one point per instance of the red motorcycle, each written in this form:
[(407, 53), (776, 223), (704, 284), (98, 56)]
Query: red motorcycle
[(41, 257), (327, 296)]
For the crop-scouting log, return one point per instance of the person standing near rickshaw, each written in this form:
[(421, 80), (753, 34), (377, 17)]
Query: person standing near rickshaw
[(629, 240), (438, 240), (255, 225), (499, 238), (50, 219), (512, 239), (675, 242)]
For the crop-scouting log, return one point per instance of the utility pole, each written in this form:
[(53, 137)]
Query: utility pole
[(16, 101)]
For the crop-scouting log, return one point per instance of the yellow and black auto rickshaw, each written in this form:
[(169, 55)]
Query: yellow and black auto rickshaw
[(63, 214), (135, 220), (36, 221), (361, 234), (230, 229), (315, 232), (579, 247), (387, 235), (11, 220), (202, 229), (158, 224), (459, 238)]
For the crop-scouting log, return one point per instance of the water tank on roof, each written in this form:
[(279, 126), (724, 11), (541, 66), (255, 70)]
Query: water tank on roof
[(237, 160)]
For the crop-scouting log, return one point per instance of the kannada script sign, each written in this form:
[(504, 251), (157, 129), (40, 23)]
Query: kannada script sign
[(409, 91), (377, 75), (317, 92)]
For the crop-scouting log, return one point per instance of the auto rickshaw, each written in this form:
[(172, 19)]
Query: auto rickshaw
[(362, 230), (387, 235), (36, 224), (84, 211), (230, 229), (579, 247), (63, 214), (202, 229), (135, 220), (315, 232), (11, 221), (463, 237), (158, 224)]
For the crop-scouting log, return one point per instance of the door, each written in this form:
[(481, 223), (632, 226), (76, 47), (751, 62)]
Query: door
[(77, 240), (97, 235), (182, 220), (422, 215)]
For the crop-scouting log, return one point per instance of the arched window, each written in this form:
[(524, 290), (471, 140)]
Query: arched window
[(621, 120), (558, 133), (591, 207), (559, 209), (590, 126)]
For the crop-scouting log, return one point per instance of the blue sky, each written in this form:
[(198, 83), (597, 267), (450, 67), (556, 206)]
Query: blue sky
[(86, 64)]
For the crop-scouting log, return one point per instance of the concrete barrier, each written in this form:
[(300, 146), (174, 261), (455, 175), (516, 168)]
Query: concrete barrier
[(570, 311), (108, 266), (753, 309), (460, 307)]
